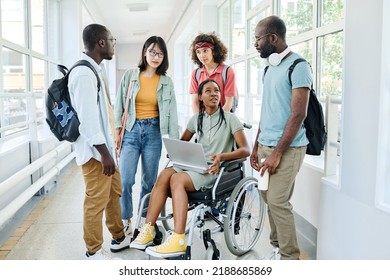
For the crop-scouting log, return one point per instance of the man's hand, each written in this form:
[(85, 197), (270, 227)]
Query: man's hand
[(254, 160)]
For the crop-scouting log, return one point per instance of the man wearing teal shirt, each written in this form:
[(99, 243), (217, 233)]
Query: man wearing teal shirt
[(281, 139)]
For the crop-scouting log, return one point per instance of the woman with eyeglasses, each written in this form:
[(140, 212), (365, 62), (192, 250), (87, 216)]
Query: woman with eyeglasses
[(152, 113)]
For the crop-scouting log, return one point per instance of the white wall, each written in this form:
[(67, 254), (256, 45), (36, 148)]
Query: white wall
[(350, 225)]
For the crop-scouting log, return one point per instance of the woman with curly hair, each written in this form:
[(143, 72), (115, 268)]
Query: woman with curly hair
[(209, 53)]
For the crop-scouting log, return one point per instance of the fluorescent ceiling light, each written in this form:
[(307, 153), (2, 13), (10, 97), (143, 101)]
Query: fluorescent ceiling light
[(138, 7)]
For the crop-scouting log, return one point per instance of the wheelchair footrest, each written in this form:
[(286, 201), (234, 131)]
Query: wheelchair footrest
[(157, 240), (186, 256), (206, 240), (135, 234)]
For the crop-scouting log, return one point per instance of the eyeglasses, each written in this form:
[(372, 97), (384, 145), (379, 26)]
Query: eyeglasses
[(113, 40), (154, 53), (258, 39)]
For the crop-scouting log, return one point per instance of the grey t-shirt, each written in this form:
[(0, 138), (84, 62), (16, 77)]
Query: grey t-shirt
[(216, 139)]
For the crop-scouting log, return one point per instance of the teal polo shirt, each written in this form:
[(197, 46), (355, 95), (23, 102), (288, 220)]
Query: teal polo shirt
[(276, 102)]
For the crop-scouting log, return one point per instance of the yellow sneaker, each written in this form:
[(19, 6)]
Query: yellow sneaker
[(174, 246), (144, 238)]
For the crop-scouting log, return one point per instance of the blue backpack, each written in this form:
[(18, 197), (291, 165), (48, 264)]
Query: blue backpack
[(224, 77), (314, 123)]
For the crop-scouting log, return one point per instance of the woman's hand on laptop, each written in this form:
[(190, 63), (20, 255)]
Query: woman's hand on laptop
[(214, 168)]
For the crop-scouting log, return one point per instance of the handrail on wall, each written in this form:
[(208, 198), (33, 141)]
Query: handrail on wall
[(7, 212)]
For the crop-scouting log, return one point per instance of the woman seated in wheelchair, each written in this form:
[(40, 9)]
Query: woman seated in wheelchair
[(217, 131)]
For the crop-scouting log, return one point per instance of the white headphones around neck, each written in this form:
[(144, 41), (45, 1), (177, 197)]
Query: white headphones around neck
[(275, 58)]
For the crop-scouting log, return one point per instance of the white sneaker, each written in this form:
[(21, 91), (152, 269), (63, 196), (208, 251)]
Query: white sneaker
[(101, 255), (128, 228), (119, 245), (275, 255)]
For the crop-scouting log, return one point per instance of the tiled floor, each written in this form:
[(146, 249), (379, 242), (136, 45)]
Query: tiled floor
[(53, 230)]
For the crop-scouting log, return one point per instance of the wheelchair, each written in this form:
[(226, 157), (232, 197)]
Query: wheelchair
[(241, 213)]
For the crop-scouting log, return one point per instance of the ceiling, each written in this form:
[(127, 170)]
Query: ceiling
[(133, 21)]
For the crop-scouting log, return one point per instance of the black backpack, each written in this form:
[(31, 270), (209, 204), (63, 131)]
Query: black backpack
[(224, 77), (60, 115), (314, 123)]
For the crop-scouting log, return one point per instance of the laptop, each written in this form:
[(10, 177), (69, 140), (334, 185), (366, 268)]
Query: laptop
[(186, 155)]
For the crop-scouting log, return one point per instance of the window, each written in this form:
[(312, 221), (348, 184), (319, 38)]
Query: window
[(238, 18), (37, 26), (53, 39), (298, 16), (13, 17), (305, 49), (252, 22), (38, 85), (29, 48), (253, 3), (239, 71), (331, 64), (331, 11), (223, 24), (256, 67), (14, 83)]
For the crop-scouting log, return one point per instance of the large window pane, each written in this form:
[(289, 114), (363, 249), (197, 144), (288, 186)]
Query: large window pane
[(13, 21), (253, 3), (252, 22), (38, 84), (238, 39), (37, 26), (239, 71), (255, 86), (14, 71), (298, 16), (331, 11), (53, 29), (305, 49), (14, 81), (330, 64), (223, 24), (38, 79)]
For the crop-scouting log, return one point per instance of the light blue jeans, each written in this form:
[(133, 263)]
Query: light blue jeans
[(144, 140)]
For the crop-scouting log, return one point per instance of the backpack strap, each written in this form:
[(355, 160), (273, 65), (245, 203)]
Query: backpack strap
[(63, 69), (84, 62), (224, 74), (197, 74), (292, 66), (265, 71)]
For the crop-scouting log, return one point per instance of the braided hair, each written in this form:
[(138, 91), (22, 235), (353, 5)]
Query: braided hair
[(202, 109)]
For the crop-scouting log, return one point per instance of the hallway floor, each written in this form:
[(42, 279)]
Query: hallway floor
[(53, 230)]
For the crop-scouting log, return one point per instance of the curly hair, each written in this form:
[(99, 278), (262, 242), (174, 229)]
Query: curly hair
[(219, 52)]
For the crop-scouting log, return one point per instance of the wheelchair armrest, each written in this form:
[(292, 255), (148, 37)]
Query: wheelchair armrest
[(228, 163)]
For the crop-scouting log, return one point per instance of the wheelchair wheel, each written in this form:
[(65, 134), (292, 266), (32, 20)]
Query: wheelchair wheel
[(167, 216), (244, 217)]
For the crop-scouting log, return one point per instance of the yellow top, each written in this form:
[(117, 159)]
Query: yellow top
[(146, 104)]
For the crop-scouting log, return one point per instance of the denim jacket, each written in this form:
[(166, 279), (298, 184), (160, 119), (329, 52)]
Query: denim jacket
[(166, 103)]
